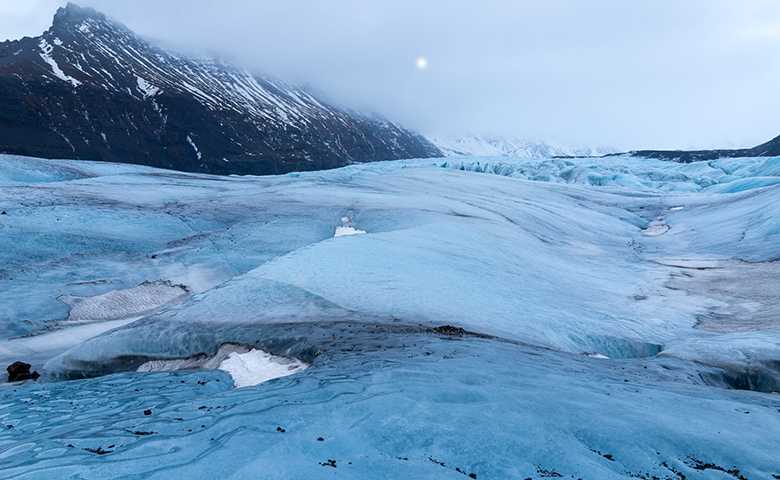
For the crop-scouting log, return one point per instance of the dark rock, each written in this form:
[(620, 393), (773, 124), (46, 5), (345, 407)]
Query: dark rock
[(320, 439), (19, 371), (449, 330), (98, 450), (147, 412)]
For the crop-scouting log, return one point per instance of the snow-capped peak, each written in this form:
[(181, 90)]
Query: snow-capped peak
[(472, 145)]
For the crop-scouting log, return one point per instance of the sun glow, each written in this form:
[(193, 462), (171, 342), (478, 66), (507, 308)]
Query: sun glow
[(422, 63)]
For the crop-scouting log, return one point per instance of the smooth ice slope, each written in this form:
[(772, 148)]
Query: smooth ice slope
[(548, 262)]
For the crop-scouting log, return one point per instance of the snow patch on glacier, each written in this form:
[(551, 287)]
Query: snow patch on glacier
[(137, 301), (247, 366)]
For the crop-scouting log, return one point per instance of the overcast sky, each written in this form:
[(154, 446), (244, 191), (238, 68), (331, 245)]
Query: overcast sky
[(627, 74)]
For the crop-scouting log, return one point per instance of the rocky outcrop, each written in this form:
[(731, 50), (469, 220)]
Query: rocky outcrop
[(19, 371)]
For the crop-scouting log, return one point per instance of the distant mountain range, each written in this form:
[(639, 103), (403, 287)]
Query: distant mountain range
[(768, 149), (89, 88), (471, 145)]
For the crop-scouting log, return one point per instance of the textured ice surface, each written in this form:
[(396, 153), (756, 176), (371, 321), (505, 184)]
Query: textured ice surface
[(548, 261), (392, 405)]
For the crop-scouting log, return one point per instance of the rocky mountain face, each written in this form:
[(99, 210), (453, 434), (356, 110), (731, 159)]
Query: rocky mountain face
[(470, 145), (88, 88), (768, 149)]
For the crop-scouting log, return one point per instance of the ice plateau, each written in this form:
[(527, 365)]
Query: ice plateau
[(497, 317)]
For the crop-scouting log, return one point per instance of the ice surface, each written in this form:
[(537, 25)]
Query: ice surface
[(398, 406), (599, 351)]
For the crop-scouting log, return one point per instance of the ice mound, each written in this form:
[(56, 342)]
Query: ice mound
[(281, 319), (247, 366), (741, 360), (38, 349), (137, 301), (17, 170)]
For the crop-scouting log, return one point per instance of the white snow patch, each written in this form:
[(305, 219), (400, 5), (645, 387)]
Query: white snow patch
[(674, 209), (342, 231), (347, 228), (46, 50), (146, 88), (197, 152), (257, 366)]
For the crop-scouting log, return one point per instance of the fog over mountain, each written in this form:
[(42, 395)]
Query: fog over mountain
[(90, 89), (633, 76)]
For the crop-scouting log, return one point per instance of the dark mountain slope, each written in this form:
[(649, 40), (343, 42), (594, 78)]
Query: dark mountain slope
[(89, 88)]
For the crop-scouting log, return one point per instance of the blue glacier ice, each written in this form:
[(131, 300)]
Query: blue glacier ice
[(606, 318)]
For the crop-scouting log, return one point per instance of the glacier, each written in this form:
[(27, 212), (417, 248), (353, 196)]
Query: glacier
[(496, 317)]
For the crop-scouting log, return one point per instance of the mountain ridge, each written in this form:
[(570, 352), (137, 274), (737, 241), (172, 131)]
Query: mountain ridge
[(766, 149), (472, 145), (89, 88)]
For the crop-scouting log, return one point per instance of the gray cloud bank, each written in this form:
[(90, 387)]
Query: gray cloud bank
[(630, 74)]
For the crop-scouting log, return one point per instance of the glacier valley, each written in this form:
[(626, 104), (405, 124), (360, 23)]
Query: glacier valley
[(460, 317)]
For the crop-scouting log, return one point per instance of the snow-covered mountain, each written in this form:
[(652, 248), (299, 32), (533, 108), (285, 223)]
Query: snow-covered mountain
[(89, 88), (471, 145)]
